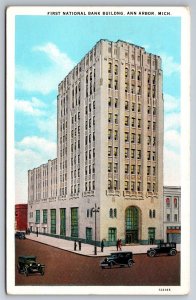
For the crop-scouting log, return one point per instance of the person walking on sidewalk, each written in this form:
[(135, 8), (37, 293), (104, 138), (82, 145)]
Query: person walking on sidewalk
[(79, 244), (102, 245), (75, 246), (120, 245), (117, 244), (37, 231)]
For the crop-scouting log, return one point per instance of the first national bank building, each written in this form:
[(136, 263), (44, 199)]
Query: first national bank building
[(109, 151)]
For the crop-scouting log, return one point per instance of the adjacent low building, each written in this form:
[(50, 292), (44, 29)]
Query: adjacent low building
[(109, 151), (172, 213), (21, 217)]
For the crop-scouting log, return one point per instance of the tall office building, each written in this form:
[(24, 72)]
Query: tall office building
[(109, 149)]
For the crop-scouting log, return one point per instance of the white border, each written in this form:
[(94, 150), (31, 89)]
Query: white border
[(183, 12)]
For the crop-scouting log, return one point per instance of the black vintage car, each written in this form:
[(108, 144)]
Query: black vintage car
[(163, 248), (20, 235), (123, 258), (28, 265)]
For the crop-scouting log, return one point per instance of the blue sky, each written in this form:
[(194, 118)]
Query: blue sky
[(47, 48)]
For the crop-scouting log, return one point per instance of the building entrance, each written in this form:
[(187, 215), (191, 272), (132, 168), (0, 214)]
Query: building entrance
[(132, 225)]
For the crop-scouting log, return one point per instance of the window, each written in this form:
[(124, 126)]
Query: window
[(109, 118), (148, 186), (111, 213), (138, 169), (126, 136), (138, 154), (116, 70), (115, 184), (139, 186), (133, 106), (109, 67), (37, 216), (89, 234), (74, 222), (53, 221), (148, 155), (112, 234), (63, 221), (149, 140), (139, 107), (139, 123), (148, 170), (126, 105), (109, 167), (115, 167), (115, 213), (149, 125), (109, 134), (132, 169), (168, 217), (116, 119), (150, 213), (133, 122), (116, 102), (126, 169), (154, 171), (126, 72), (175, 202), (109, 151), (126, 185), (133, 138), (126, 120), (132, 186), (175, 218), (115, 84), (45, 216), (139, 139), (167, 200), (126, 153), (110, 102), (132, 74), (115, 151), (109, 83), (132, 153), (115, 135), (109, 184)]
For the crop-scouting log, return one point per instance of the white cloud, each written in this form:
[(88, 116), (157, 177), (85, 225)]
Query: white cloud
[(171, 103), (32, 107), (172, 121), (172, 140), (172, 168), (45, 81), (169, 65)]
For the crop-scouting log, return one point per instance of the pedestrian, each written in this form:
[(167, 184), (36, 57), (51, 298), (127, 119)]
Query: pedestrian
[(120, 245), (102, 245), (79, 244), (37, 232), (117, 244), (75, 246)]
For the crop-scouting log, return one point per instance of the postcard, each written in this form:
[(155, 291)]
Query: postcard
[(97, 186)]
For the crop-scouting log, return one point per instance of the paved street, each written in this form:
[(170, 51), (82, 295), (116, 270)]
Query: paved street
[(67, 268)]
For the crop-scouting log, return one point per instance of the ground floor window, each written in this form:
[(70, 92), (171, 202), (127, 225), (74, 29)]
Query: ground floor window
[(151, 235), (37, 216), (45, 215), (112, 234), (53, 221), (89, 234), (74, 222), (62, 221)]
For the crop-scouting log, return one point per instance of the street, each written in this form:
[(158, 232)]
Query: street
[(65, 268)]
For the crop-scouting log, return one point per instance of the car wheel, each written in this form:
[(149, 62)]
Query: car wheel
[(111, 265), (173, 252), (130, 263), (151, 253)]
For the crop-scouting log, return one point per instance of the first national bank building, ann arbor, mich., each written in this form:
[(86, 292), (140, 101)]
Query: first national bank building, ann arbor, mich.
[(109, 151)]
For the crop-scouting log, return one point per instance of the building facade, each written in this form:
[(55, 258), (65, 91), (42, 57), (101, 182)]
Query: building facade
[(109, 150), (172, 213), (21, 217)]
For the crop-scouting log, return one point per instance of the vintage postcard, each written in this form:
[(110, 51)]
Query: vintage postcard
[(97, 149)]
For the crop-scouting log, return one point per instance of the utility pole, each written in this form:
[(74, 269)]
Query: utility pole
[(95, 210)]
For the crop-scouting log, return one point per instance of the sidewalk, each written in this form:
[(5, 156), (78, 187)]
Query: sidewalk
[(86, 249)]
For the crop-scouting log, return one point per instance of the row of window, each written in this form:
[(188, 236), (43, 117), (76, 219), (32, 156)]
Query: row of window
[(169, 202), (115, 102), (175, 218)]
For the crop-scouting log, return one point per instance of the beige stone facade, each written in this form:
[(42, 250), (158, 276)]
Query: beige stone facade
[(109, 149)]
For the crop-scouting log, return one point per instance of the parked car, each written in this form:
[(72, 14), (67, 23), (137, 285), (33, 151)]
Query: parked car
[(163, 248), (20, 235), (123, 258), (28, 265)]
